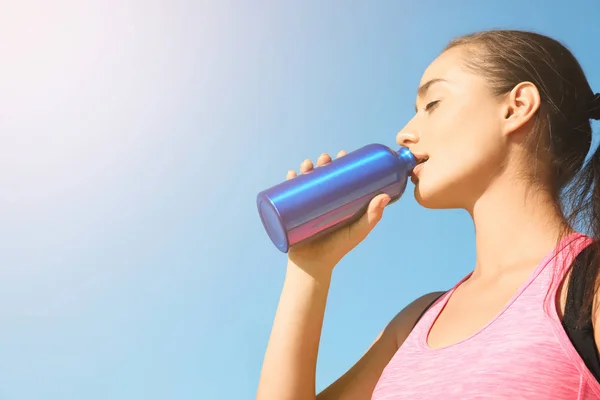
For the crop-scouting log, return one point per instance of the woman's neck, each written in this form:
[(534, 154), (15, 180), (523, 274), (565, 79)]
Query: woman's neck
[(516, 224)]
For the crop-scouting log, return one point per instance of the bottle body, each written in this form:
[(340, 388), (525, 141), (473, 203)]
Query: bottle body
[(333, 195)]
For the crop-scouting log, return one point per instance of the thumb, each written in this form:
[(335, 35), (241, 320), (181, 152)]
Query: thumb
[(367, 222)]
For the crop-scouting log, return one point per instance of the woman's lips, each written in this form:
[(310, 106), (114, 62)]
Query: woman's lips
[(414, 177), (417, 169)]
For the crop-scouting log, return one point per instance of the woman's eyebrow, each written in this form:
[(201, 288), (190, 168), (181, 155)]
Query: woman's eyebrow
[(422, 91)]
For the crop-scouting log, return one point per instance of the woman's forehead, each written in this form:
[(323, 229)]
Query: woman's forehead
[(448, 68)]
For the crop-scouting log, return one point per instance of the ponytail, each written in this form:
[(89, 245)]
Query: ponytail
[(583, 199)]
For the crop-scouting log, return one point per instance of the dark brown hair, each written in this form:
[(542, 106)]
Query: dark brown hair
[(562, 130)]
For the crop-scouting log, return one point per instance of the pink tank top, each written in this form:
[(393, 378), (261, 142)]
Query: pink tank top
[(522, 353)]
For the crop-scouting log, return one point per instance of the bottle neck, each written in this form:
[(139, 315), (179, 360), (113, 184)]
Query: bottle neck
[(405, 155)]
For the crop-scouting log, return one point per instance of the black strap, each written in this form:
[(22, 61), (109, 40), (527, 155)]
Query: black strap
[(581, 336)]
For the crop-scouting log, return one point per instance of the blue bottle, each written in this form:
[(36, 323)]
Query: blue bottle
[(333, 195)]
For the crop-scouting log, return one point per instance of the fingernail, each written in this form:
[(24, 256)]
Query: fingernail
[(385, 202)]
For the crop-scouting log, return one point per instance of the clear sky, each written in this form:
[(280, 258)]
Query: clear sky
[(134, 137)]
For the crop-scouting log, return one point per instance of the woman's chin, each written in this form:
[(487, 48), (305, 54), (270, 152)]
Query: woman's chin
[(430, 198), (421, 196)]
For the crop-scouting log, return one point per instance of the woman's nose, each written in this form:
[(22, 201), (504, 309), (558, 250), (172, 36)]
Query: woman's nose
[(406, 138)]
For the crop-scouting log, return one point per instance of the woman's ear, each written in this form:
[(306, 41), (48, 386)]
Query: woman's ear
[(520, 106)]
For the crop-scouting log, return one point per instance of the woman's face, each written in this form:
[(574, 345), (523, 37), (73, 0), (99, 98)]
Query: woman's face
[(457, 128)]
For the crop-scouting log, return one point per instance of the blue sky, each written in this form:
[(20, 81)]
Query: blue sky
[(134, 137)]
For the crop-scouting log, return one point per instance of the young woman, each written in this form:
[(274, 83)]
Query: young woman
[(516, 106)]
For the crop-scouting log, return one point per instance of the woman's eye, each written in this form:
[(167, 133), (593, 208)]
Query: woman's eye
[(431, 105)]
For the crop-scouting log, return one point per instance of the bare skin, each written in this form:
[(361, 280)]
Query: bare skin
[(476, 160)]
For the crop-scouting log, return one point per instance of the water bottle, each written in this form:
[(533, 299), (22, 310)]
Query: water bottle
[(333, 195)]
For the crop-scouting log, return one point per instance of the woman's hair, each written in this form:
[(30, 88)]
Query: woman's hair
[(562, 129)]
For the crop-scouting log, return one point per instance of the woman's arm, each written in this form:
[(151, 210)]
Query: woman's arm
[(289, 368), (359, 381)]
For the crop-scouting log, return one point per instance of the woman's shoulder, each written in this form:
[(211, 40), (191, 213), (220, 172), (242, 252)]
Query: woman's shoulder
[(404, 322)]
